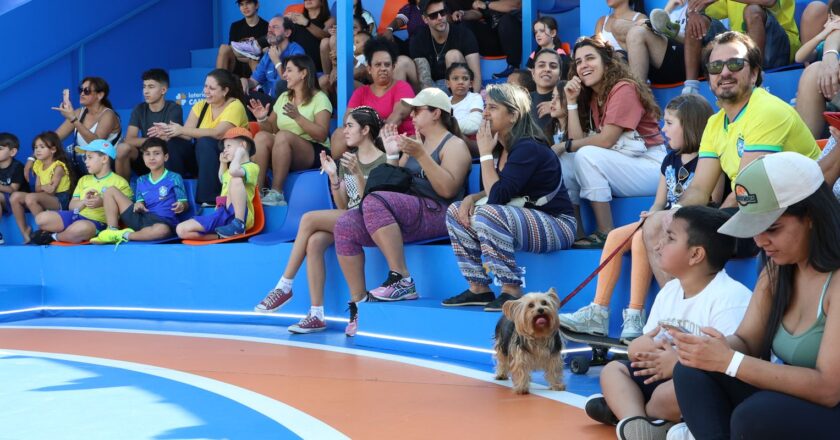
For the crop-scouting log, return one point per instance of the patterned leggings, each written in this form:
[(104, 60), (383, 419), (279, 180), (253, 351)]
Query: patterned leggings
[(418, 219), (499, 230)]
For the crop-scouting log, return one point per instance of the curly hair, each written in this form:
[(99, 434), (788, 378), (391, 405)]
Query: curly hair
[(615, 71)]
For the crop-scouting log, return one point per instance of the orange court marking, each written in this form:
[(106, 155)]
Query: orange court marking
[(360, 396)]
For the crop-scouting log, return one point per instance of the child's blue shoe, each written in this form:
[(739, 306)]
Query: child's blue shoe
[(232, 229)]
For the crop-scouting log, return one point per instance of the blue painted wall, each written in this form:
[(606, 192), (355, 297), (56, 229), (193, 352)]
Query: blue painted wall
[(161, 35)]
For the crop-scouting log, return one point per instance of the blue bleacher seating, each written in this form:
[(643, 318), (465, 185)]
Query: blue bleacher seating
[(304, 191)]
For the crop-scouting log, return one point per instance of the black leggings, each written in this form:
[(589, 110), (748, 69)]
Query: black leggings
[(207, 160), (506, 39), (717, 407)]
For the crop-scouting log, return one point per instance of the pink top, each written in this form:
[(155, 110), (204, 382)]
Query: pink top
[(624, 108), (384, 104)]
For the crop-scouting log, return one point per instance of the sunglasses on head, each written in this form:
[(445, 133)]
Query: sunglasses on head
[(733, 64), (85, 90), (437, 14)]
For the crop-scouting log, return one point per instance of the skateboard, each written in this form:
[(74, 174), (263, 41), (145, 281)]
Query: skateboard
[(600, 345)]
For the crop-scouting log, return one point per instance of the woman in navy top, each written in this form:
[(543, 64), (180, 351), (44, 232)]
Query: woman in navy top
[(516, 161)]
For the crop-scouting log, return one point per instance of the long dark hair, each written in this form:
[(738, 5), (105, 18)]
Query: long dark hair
[(51, 139), (551, 24), (554, 125), (303, 62), (694, 112), (100, 85), (368, 117), (227, 80), (615, 70), (323, 13), (823, 210)]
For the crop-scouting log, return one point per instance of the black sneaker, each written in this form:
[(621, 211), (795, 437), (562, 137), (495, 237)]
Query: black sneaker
[(2, 241), (642, 428), (504, 73), (41, 237), (496, 304), (467, 298), (597, 409)]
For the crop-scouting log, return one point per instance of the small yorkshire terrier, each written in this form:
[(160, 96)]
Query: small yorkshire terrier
[(528, 339)]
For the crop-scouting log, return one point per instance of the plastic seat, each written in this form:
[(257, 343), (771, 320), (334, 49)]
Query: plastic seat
[(259, 224), (304, 191), (388, 14), (821, 143)]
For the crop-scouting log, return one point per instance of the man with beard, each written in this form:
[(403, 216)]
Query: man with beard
[(435, 47), (266, 83), (751, 123)]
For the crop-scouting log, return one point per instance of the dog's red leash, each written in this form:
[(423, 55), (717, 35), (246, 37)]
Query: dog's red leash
[(601, 266)]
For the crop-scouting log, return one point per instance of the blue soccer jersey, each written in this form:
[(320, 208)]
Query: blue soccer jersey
[(160, 195)]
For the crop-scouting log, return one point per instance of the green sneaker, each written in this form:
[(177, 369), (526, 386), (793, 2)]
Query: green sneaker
[(662, 24), (109, 236), (593, 319)]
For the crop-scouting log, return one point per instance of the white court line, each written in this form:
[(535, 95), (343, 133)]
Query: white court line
[(565, 397), (287, 416)]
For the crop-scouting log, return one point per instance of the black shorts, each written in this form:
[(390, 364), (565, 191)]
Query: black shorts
[(672, 69), (317, 149), (138, 221), (647, 389)]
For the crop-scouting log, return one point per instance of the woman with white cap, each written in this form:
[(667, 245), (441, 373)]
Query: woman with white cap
[(516, 161), (727, 386), (438, 161)]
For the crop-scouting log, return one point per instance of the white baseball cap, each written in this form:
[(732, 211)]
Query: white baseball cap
[(766, 187), (430, 97)]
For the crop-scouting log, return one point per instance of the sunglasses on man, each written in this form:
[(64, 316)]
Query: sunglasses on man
[(733, 64)]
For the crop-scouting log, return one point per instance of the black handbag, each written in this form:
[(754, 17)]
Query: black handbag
[(388, 177)]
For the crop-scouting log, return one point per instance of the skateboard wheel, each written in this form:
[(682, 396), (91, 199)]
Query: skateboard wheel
[(579, 365)]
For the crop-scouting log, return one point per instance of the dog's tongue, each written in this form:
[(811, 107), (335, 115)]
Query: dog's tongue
[(541, 322)]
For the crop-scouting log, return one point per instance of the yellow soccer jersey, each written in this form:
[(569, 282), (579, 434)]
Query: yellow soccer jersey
[(252, 171), (783, 10), (91, 183), (765, 124)]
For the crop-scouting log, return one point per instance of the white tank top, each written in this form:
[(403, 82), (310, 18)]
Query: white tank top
[(112, 138), (609, 37)]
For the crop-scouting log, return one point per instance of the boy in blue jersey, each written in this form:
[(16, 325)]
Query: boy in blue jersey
[(235, 206), (159, 198)]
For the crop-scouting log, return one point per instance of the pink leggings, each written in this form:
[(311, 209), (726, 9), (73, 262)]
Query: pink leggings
[(418, 219)]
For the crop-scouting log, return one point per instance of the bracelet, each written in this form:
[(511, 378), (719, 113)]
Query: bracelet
[(732, 369), (485, 157), (336, 185), (30, 158), (571, 107), (837, 54), (308, 22), (73, 121), (277, 66), (569, 145), (392, 156), (264, 118), (676, 206), (390, 28)]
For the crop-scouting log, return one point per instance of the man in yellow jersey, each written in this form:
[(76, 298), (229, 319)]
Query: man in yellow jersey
[(751, 123), (770, 24)]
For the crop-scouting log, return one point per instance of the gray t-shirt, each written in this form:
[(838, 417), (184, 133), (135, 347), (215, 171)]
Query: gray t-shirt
[(354, 194), (143, 117)]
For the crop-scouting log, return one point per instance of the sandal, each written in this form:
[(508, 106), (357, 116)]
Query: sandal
[(594, 240)]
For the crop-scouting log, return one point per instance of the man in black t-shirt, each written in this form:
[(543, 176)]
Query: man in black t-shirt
[(440, 44), (247, 40)]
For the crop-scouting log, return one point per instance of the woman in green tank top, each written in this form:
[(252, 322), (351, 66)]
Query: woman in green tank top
[(731, 386)]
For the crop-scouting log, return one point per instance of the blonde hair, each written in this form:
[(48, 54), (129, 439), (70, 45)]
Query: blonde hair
[(517, 100)]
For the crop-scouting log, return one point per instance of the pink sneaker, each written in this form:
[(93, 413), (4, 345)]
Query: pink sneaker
[(353, 325), (310, 324), (273, 301), (249, 49), (395, 288)]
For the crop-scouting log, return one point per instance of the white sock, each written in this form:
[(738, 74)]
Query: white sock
[(601, 308), (54, 236), (285, 284), (317, 312), (633, 311)]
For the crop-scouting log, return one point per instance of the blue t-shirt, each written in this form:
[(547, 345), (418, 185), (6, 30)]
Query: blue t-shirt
[(678, 176), (265, 73), (161, 195)]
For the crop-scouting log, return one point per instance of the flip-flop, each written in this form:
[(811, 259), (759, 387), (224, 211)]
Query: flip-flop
[(594, 240)]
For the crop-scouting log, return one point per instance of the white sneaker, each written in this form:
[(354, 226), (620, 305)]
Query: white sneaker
[(593, 319), (248, 49), (679, 432), (273, 198), (633, 324)]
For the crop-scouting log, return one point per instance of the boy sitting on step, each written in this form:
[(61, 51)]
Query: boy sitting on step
[(159, 198), (86, 216), (638, 395), (235, 206)]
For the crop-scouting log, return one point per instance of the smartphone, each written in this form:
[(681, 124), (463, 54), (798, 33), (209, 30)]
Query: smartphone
[(677, 328)]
